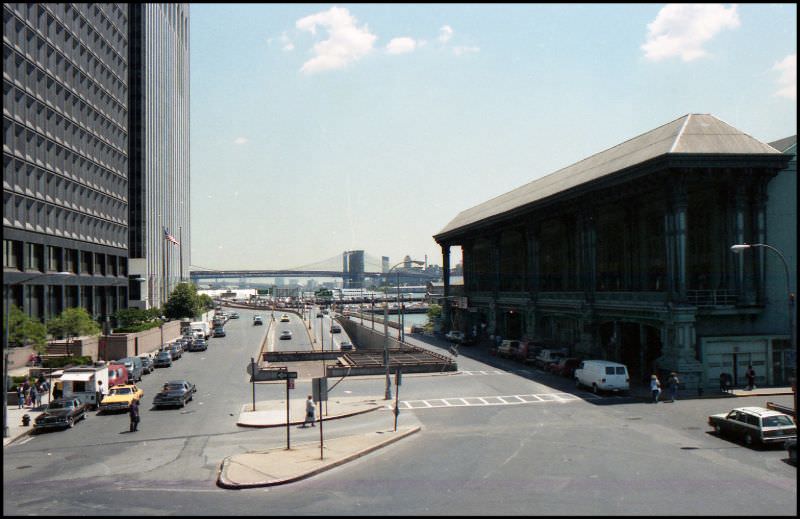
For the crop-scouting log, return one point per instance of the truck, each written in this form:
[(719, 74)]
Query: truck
[(81, 383), (202, 327)]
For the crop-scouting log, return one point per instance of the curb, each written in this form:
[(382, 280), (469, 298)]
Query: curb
[(224, 483), (353, 413)]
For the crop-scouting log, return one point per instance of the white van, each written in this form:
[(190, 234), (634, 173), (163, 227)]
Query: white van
[(602, 375)]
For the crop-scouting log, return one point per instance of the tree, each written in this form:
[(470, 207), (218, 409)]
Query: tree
[(73, 322), (434, 313), (183, 302), (206, 301), (24, 330)]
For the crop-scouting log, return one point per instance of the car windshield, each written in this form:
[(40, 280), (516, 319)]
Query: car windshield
[(63, 404), (122, 391), (776, 421), (173, 386), (163, 355)]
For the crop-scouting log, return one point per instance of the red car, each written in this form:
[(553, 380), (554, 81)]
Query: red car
[(566, 367), (117, 374)]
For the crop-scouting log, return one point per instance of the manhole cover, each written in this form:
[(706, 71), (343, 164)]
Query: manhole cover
[(689, 448)]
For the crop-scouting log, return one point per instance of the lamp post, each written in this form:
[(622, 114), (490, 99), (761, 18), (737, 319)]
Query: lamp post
[(388, 392), (6, 339), (739, 248)]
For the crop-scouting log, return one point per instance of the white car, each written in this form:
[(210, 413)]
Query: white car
[(286, 335), (454, 336)]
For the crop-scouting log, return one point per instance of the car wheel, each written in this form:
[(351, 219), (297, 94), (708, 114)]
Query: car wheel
[(70, 422), (595, 389), (748, 439)]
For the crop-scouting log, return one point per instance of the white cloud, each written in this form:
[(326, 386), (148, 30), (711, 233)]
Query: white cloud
[(445, 33), (346, 41), (458, 51), (787, 81), (683, 29), (401, 45), (241, 140), (286, 42)]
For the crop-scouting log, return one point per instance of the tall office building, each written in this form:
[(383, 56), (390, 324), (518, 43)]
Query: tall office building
[(158, 188), (65, 157)]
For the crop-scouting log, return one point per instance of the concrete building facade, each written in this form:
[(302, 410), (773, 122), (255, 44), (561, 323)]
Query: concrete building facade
[(65, 157)]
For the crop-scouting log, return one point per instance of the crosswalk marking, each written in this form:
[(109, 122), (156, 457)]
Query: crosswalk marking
[(498, 400)]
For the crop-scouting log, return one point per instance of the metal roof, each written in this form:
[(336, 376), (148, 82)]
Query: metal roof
[(785, 144), (701, 134)]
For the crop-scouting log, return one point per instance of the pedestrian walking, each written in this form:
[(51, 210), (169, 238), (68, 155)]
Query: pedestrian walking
[(134, 414), (26, 388), (310, 408), (655, 387), (34, 396), (39, 391), (751, 377), (725, 382), (672, 383), (100, 393), (20, 396)]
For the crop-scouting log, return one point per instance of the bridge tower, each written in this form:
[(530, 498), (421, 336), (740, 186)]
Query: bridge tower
[(353, 269)]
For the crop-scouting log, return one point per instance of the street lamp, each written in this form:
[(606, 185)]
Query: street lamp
[(739, 248), (6, 338), (388, 392)]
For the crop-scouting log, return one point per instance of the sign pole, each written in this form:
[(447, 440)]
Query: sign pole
[(397, 397), (253, 378), (288, 444), (319, 390)]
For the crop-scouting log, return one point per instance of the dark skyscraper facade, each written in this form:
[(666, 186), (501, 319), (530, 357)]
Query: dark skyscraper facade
[(65, 157)]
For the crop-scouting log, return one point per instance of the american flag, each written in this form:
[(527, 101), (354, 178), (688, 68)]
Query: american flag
[(170, 237)]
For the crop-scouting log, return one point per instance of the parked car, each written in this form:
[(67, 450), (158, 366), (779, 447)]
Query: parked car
[(258, 320), (335, 328), (286, 335), (134, 367), (319, 314), (175, 351), (346, 346), (755, 425), (284, 318), (565, 367), (454, 336), (147, 364), (119, 398), (163, 359), (61, 413), (175, 393), (548, 356), (198, 345), (219, 331), (602, 375), (509, 348)]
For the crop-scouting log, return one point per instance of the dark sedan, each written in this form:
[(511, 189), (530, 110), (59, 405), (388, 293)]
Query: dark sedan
[(163, 359), (198, 345), (175, 393), (61, 413)]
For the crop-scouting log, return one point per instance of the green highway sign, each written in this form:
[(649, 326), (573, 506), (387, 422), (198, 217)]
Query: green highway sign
[(283, 375)]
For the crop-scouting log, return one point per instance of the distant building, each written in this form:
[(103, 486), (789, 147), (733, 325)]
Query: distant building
[(626, 255)]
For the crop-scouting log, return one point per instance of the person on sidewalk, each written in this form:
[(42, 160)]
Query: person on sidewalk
[(34, 396), (672, 383), (20, 396), (99, 394), (751, 378), (310, 408), (134, 414), (655, 387)]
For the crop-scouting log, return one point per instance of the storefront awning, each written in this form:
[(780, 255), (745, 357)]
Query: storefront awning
[(80, 377)]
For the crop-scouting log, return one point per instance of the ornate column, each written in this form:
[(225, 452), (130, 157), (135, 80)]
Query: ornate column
[(759, 253), (681, 204), (446, 279), (588, 256), (738, 237), (532, 261)]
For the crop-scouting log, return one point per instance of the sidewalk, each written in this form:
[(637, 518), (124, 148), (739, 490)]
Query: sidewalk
[(15, 428), (278, 466)]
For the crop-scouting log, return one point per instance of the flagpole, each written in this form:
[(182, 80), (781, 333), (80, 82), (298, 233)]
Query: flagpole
[(180, 245)]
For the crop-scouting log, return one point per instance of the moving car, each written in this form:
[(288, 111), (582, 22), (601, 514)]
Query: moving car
[(286, 334), (319, 314), (335, 328), (602, 375), (258, 320), (284, 318), (163, 359), (234, 315), (120, 397), (175, 393), (346, 346), (219, 331), (755, 425), (61, 413)]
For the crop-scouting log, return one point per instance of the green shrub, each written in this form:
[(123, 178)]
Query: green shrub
[(60, 362), (136, 328)]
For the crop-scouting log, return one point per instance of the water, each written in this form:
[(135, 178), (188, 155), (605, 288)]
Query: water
[(409, 319)]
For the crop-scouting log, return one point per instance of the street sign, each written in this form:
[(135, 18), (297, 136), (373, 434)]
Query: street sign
[(283, 375), (319, 388)]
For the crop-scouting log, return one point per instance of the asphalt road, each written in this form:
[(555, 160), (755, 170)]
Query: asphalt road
[(496, 439)]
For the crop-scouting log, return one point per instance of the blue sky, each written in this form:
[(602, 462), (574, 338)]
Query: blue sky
[(318, 128)]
